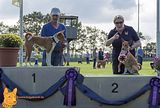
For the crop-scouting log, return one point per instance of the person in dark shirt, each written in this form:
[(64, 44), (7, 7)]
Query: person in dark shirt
[(116, 36), (94, 58), (100, 54), (87, 57)]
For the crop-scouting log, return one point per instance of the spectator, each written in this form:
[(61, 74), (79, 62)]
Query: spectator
[(140, 55), (100, 54), (87, 57), (94, 58)]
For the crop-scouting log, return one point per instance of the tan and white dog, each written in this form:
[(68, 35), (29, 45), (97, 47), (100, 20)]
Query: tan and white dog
[(126, 58), (47, 43)]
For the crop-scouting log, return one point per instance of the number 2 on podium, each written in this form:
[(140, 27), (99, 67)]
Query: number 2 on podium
[(115, 88)]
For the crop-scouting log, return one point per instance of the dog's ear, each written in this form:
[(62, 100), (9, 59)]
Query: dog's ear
[(5, 91), (62, 31), (60, 35), (125, 43), (15, 91), (28, 36)]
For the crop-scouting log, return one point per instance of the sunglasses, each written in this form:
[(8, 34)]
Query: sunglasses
[(54, 15), (118, 22)]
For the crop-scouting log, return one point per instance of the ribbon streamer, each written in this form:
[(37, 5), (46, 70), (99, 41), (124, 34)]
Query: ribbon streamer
[(22, 93), (73, 79), (70, 95), (154, 94), (1, 88)]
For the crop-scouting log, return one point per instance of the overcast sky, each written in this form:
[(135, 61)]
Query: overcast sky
[(97, 13)]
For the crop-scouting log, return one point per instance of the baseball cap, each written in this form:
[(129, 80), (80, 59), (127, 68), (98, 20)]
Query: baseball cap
[(55, 11), (118, 17)]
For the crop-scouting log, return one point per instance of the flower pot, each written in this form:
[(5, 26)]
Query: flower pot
[(8, 56)]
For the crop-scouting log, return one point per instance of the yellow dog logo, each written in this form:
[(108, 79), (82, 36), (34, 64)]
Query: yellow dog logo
[(9, 98)]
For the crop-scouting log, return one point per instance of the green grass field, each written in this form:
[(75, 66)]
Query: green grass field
[(87, 69)]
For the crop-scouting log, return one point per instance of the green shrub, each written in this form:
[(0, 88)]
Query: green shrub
[(10, 40)]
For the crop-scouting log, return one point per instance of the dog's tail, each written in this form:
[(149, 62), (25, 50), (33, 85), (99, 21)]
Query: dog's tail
[(28, 47), (28, 36), (139, 66)]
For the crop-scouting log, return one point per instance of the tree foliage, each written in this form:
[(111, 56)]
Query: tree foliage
[(149, 49), (33, 22), (88, 37)]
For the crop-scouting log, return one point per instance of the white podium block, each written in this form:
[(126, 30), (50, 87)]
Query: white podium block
[(36, 80)]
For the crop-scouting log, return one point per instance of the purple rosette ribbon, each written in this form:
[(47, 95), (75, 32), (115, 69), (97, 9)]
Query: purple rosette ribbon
[(1, 87), (70, 94), (154, 94)]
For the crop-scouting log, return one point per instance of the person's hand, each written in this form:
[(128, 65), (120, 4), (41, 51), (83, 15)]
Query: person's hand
[(131, 48), (116, 36)]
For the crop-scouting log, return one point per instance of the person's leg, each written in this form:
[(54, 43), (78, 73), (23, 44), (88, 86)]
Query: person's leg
[(140, 60), (94, 63), (55, 59), (122, 69), (57, 55), (114, 65), (60, 59), (87, 60), (44, 59)]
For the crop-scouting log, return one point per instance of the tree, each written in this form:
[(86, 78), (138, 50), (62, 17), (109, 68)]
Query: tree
[(102, 39), (149, 49), (141, 35), (3, 28), (34, 21), (13, 29), (87, 39)]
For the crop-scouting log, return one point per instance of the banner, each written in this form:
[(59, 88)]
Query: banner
[(16, 3)]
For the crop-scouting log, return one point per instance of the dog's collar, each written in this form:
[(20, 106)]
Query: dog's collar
[(53, 40), (30, 37), (126, 53)]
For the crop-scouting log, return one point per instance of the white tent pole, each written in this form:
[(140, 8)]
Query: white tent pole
[(21, 32)]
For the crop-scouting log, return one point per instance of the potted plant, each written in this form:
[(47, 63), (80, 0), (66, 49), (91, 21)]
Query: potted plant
[(9, 47)]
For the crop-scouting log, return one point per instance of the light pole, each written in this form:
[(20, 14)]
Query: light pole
[(19, 3), (21, 32), (138, 18), (158, 29)]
